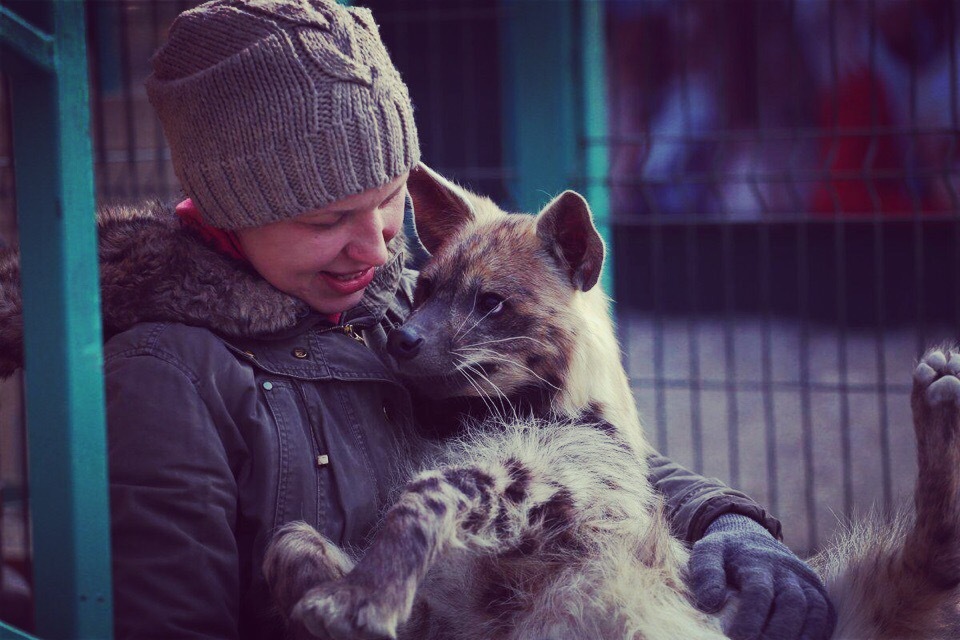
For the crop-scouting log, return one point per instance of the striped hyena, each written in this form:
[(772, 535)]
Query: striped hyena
[(537, 520)]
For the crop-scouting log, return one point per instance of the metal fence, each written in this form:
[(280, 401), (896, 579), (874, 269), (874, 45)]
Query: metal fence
[(784, 180)]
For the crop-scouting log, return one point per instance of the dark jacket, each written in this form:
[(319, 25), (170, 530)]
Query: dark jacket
[(232, 409)]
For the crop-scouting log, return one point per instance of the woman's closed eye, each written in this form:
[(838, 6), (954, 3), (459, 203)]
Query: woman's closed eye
[(393, 196), (328, 222)]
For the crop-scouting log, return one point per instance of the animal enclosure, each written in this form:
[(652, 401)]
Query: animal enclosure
[(779, 182)]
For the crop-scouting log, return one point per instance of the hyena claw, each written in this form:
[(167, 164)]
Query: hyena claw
[(341, 611)]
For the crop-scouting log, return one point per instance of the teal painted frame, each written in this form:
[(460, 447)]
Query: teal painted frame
[(555, 131), (45, 58), (12, 633)]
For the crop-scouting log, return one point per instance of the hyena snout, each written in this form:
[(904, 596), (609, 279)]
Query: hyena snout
[(404, 343)]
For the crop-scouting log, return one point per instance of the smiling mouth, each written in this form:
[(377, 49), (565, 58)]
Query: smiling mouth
[(348, 283), (347, 277)]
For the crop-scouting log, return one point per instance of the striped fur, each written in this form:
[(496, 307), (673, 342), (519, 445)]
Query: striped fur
[(537, 521)]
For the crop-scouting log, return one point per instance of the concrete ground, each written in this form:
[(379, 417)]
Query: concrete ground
[(811, 421)]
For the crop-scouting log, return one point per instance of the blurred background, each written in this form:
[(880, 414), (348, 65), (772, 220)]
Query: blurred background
[(778, 180)]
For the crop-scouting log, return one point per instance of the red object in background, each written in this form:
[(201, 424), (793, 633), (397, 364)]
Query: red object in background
[(866, 167)]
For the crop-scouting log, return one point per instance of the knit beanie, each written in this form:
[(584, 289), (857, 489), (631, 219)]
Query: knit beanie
[(273, 108)]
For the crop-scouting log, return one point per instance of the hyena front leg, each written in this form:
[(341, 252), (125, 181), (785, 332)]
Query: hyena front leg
[(477, 507), (934, 545), (298, 559)]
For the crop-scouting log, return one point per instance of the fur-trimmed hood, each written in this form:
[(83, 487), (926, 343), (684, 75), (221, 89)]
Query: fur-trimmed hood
[(153, 269)]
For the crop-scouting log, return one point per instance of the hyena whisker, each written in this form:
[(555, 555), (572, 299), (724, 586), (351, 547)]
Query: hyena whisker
[(499, 391), (488, 353), (473, 306), (477, 323), (532, 339), (487, 401)]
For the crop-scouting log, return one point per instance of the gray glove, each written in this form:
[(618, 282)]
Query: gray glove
[(781, 597)]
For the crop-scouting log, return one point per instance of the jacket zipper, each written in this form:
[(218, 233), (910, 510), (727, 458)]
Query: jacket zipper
[(347, 330)]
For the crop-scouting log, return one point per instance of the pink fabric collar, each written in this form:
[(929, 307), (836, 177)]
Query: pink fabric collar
[(223, 240)]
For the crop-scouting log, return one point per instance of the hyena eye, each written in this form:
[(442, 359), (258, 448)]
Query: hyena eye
[(490, 304), (422, 291)]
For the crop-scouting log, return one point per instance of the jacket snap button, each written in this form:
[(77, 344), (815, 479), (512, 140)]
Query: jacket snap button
[(268, 385), (300, 352)]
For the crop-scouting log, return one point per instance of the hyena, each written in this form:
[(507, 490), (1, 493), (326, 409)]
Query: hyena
[(537, 520)]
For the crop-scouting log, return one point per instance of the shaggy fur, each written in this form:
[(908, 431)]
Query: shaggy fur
[(152, 269), (537, 521), (544, 525)]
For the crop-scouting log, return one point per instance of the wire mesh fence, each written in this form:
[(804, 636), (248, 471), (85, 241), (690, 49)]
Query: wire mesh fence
[(784, 184), (784, 180)]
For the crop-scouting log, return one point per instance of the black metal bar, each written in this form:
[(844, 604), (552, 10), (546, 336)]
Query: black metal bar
[(729, 354), (132, 184), (766, 368), (162, 166), (806, 422), (656, 266), (97, 20)]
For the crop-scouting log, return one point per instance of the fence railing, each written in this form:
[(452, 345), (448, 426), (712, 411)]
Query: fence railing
[(782, 183)]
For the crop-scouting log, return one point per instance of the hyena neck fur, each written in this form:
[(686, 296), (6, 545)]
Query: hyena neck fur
[(596, 381), (548, 267)]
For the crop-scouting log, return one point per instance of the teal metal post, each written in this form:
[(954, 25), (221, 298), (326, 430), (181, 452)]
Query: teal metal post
[(539, 119), (46, 61), (595, 137), (12, 633), (555, 123)]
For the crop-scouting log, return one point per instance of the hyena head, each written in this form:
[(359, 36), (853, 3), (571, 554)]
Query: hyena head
[(503, 306)]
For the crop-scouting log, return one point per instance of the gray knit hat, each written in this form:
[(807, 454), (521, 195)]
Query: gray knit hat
[(276, 107)]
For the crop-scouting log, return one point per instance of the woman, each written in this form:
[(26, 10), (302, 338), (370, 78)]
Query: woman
[(244, 380)]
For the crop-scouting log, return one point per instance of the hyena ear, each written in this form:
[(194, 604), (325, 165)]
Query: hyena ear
[(566, 227), (440, 208)]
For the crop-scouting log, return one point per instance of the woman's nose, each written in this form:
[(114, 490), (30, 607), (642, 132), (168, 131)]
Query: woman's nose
[(370, 238)]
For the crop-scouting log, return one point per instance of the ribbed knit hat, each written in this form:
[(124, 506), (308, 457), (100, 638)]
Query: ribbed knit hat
[(273, 108)]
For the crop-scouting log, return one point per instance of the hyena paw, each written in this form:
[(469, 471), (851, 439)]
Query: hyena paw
[(347, 611), (298, 559), (935, 380)]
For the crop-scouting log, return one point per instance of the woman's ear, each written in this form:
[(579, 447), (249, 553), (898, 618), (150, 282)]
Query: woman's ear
[(565, 226), (440, 208)]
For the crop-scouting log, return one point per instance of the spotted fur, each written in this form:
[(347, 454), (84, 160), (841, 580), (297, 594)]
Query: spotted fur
[(537, 521)]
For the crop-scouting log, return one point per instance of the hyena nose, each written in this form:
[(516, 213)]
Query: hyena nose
[(404, 343)]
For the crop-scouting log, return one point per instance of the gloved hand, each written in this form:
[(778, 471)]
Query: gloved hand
[(781, 598)]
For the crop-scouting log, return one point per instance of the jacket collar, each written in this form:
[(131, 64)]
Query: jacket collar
[(154, 269)]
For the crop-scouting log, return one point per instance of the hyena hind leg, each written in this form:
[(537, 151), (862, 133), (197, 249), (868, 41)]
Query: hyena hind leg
[(298, 559), (934, 545)]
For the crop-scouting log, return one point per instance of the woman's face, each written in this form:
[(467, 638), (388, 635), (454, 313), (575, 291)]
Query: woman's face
[(327, 257)]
